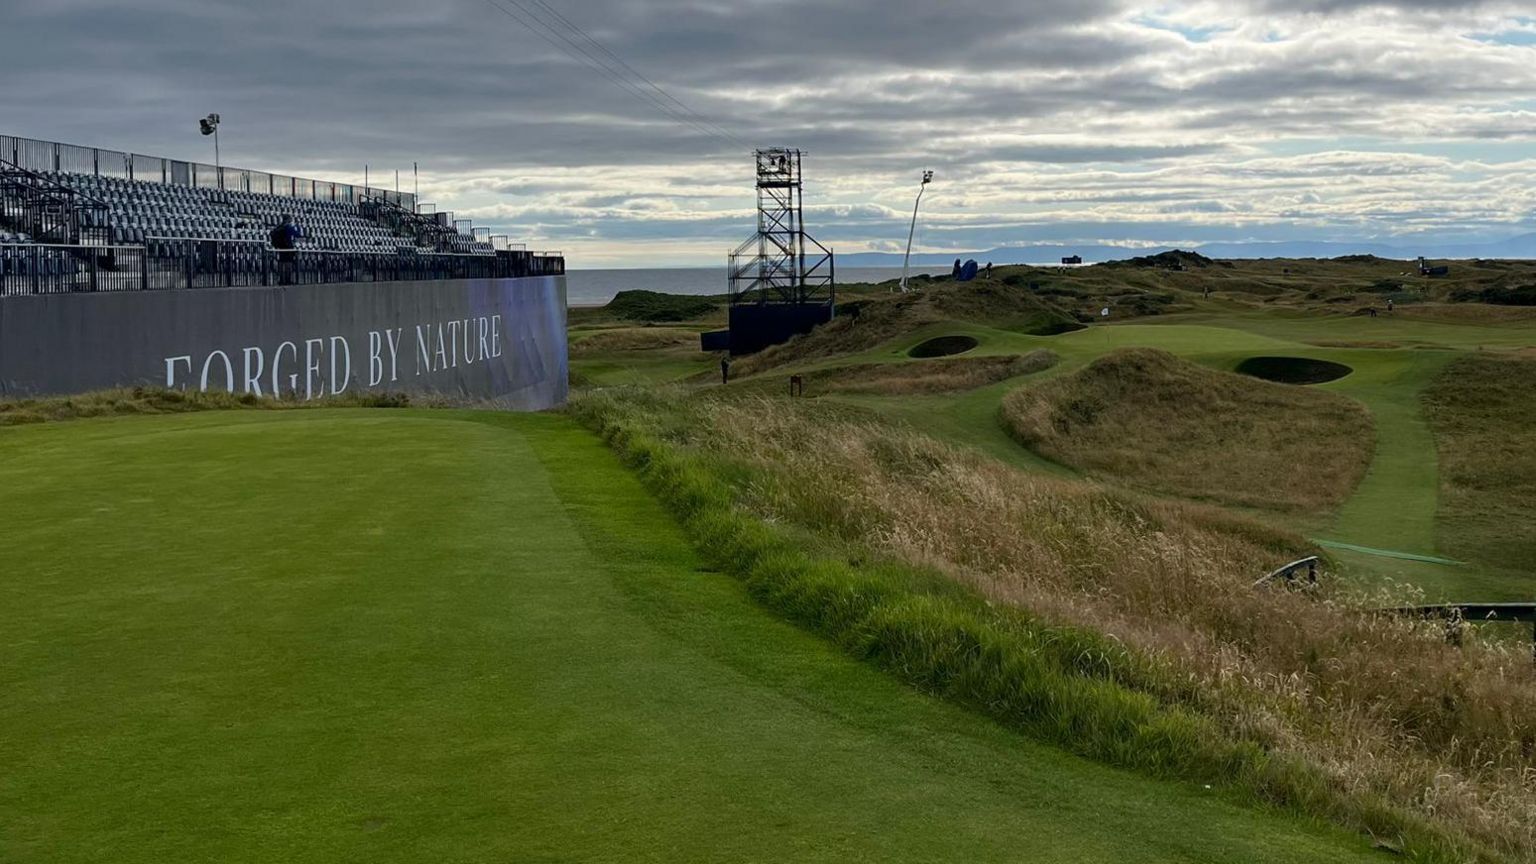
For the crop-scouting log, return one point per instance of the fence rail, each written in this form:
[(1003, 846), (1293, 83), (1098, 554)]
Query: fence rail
[(48, 156), (169, 263)]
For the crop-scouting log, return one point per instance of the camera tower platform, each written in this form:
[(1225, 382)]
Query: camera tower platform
[(782, 282)]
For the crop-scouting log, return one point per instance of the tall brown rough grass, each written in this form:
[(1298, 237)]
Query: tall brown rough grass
[(1395, 727), (1484, 419), (913, 377), (633, 339), (158, 400), (1152, 420)]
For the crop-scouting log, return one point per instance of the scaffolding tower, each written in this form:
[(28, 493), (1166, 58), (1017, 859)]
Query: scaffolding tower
[(781, 263)]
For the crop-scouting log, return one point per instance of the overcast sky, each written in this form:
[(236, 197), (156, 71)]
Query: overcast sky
[(1045, 120)]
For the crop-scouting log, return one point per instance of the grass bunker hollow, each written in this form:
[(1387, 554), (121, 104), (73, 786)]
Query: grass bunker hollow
[(943, 346), (1293, 370)]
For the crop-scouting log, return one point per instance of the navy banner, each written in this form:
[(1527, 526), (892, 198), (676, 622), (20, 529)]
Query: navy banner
[(502, 340)]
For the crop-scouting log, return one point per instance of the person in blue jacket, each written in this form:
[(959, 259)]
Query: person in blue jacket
[(283, 238)]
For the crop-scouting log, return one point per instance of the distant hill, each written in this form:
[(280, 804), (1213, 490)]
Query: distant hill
[(1523, 246)]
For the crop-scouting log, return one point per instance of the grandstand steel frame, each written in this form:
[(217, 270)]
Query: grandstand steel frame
[(48, 211)]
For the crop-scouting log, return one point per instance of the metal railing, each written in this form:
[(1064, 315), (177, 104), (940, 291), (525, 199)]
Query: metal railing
[(51, 156), (427, 231), (168, 263), (47, 211), (38, 268)]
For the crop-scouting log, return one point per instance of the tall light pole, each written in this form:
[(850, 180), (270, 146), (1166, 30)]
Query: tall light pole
[(210, 126), (906, 260)]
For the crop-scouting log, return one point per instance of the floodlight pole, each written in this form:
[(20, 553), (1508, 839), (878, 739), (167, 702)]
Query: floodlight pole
[(210, 126), (912, 231)]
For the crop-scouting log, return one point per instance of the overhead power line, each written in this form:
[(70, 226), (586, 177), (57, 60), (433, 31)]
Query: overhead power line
[(571, 40), (620, 62)]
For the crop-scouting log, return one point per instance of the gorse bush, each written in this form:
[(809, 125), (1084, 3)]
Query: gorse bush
[(1120, 628), (654, 306)]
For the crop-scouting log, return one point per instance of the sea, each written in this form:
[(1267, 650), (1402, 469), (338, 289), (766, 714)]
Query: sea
[(596, 287)]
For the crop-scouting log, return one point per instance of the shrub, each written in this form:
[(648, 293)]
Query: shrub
[(655, 306)]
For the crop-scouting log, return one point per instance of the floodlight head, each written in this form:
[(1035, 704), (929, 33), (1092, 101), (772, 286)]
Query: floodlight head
[(927, 177), (208, 125)]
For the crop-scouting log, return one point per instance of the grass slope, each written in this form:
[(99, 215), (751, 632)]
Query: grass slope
[(344, 635), (917, 377), (589, 343), (1119, 626), (1484, 419), (867, 323), (1146, 418)]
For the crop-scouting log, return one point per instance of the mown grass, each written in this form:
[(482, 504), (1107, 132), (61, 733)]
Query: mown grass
[(1483, 414), (1120, 628), (411, 636), (1148, 419)]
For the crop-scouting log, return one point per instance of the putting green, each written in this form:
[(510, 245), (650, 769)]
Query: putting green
[(408, 636)]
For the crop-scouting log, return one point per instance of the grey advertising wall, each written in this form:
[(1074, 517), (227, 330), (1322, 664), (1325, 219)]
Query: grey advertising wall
[(496, 339)]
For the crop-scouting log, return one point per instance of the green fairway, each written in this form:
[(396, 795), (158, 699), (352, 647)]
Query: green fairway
[(348, 635)]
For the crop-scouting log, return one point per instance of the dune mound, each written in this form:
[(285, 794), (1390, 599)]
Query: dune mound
[(864, 324), (632, 339), (638, 305), (1150, 420), (917, 377)]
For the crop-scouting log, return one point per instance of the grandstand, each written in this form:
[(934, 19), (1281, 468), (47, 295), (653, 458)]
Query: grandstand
[(85, 219)]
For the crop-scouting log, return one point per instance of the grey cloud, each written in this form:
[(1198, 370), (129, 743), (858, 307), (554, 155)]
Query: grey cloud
[(976, 89)]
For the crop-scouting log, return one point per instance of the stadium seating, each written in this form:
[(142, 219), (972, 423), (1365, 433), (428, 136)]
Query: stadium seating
[(20, 261), (64, 231), (143, 212)]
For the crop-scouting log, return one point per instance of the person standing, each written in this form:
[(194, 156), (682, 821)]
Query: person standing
[(284, 239), (725, 369)]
